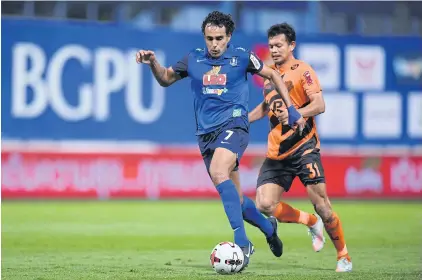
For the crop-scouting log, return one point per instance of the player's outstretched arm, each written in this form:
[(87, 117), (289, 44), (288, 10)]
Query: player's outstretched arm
[(275, 78), (259, 112), (164, 76)]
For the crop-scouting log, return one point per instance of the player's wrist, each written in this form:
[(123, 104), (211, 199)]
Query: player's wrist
[(153, 63), (294, 114), (292, 109)]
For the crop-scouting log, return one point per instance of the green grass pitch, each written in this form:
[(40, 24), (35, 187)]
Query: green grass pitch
[(173, 240)]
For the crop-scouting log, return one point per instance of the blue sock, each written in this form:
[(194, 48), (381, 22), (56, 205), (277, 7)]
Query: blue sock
[(255, 218), (233, 208)]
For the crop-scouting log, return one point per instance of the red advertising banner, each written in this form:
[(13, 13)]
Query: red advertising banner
[(181, 174)]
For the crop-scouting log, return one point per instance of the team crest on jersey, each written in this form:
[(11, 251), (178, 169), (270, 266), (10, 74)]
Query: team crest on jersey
[(214, 78), (234, 61), (308, 78)]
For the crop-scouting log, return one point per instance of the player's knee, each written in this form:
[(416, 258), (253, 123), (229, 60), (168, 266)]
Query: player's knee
[(218, 176), (266, 206)]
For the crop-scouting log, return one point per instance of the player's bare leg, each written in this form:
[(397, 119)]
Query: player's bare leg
[(268, 198), (252, 216), (222, 163), (234, 176), (268, 202), (318, 195)]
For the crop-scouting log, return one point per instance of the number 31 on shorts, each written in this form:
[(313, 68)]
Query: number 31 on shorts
[(313, 168)]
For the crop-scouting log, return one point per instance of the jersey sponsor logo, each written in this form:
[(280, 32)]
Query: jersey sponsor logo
[(213, 77), (218, 91), (276, 106), (255, 61), (308, 78)]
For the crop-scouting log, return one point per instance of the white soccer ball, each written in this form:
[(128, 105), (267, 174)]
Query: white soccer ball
[(227, 258)]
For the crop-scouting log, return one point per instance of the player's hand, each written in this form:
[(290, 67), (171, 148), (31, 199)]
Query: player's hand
[(300, 125), (145, 56), (295, 119)]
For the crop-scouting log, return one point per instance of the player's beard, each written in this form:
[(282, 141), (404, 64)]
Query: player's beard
[(280, 62), (215, 53)]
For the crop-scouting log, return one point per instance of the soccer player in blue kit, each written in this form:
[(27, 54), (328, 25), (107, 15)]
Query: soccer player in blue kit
[(221, 95)]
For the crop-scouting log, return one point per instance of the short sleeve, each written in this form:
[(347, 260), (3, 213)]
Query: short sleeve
[(181, 67), (255, 64), (310, 82)]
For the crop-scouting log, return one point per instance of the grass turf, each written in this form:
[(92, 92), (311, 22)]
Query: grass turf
[(173, 239)]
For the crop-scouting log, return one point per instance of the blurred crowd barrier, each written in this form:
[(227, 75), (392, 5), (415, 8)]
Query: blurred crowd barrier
[(82, 120)]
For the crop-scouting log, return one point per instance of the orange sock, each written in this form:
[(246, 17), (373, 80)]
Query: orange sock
[(287, 214), (335, 232)]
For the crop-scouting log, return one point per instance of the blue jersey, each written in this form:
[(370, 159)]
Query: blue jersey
[(219, 85)]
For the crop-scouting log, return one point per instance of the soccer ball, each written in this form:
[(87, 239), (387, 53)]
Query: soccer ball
[(227, 258)]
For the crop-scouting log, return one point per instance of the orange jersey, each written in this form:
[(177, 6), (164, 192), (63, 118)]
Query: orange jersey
[(301, 81)]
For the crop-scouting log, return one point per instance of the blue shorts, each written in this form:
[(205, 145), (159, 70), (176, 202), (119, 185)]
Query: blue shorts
[(234, 136)]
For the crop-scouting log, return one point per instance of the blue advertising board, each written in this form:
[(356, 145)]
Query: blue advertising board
[(80, 81)]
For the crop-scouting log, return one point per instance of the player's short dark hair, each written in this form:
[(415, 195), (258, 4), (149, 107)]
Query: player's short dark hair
[(282, 28), (219, 19)]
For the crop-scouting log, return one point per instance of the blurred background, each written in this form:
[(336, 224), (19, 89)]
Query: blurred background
[(80, 119)]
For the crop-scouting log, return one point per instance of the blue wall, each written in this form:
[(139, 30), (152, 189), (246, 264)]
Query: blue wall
[(84, 83)]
